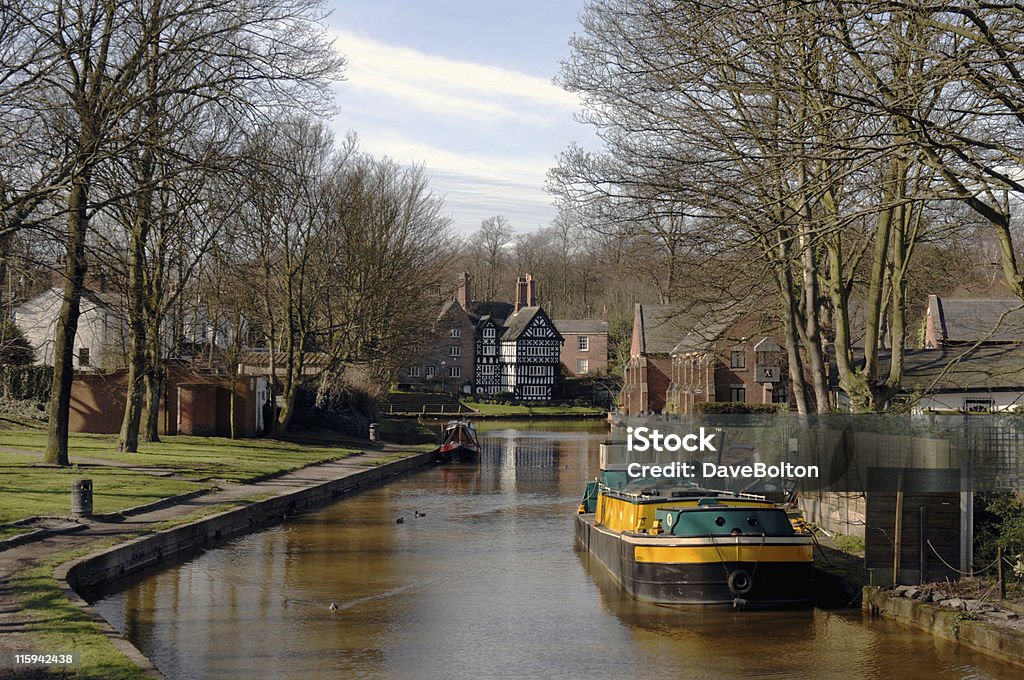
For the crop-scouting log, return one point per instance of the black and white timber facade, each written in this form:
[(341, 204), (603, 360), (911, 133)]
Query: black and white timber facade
[(489, 373), (530, 350)]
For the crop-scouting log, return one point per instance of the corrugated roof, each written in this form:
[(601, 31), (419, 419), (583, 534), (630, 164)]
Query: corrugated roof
[(261, 358), (593, 326), (961, 320)]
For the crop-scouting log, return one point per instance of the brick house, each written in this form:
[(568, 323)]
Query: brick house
[(449, 361), (749, 371), (585, 350), (657, 329)]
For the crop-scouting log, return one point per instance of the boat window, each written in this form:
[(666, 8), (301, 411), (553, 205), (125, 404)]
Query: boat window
[(720, 521), (752, 521)]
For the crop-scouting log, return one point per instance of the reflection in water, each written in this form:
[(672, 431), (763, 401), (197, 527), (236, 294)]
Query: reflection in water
[(485, 584)]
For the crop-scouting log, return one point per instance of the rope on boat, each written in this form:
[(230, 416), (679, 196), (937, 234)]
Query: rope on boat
[(822, 552), (757, 560)]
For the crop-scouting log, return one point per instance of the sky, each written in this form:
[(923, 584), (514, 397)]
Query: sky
[(463, 87)]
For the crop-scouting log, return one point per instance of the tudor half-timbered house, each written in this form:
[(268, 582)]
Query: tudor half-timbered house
[(530, 355)]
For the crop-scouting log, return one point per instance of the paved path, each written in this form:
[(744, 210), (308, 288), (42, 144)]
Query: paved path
[(16, 625)]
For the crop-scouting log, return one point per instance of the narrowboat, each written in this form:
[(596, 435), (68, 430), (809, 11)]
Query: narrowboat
[(675, 542), (458, 443)]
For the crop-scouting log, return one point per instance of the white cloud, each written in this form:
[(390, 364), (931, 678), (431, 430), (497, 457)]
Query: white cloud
[(444, 86), (485, 167), (476, 186)]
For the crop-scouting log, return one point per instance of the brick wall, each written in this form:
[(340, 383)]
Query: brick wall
[(596, 353)]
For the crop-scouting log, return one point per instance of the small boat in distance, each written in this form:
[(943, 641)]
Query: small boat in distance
[(459, 443)]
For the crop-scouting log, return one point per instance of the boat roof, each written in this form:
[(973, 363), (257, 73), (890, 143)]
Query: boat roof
[(650, 489)]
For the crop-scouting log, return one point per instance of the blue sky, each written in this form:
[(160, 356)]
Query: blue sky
[(463, 87)]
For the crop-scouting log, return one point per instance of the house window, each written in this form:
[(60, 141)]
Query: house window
[(455, 372), (978, 405), (737, 394), (83, 356), (582, 366), (489, 333), (431, 371), (454, 351), (456, 332), (583, 344), (414, 371), (738, 359)]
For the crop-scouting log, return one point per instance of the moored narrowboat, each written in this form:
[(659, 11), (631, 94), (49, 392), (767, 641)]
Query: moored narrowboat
[(459, 443), (674, 542)]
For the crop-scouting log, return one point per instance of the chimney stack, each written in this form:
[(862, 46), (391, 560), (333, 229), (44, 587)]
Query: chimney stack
[(525, 292), (463, 295)]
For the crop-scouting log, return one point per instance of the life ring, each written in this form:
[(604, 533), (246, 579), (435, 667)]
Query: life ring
[(740, 582)]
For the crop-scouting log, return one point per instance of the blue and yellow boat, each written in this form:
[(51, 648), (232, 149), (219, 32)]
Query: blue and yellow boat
[(675, 542)]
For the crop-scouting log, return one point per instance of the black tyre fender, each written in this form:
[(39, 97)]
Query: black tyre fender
[(740, 582)]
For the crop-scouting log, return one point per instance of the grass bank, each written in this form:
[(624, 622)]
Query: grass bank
[(518, 410), (59, 626)]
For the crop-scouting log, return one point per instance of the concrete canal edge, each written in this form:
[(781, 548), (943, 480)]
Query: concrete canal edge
[(166, 547), (1006, 644)]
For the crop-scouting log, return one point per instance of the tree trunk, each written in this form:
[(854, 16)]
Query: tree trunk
[(154, 385), (784, 280), (129, 437), (67, 323), (811, 335)]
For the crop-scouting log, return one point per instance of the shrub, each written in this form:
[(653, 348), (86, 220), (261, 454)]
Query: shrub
[(14, 348)]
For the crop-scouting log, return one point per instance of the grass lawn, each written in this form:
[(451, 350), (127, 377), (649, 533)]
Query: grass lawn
[(238, 460), (519, 410), (28, 488)]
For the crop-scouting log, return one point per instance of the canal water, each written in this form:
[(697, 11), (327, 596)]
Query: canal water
[(485, 584)]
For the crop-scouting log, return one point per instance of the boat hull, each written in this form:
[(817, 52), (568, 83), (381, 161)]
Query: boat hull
[(460, 454), (774, 575)]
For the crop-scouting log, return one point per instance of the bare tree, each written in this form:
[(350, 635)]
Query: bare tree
[(490, 248)]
